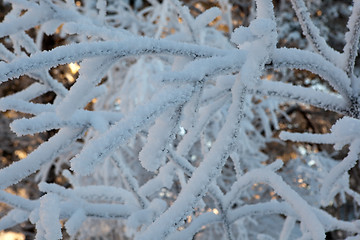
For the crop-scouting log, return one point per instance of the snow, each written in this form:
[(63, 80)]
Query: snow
[(43, 154), (13, 218), (144, 83), (73, 224), (351, 46), (77, 52), (312, 33), (49, 213), (206, 17), (160, 134), (119, 133), (300, 59), (339, 170), (298, 204)]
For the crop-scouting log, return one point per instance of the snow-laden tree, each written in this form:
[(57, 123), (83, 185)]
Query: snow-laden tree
[(163, 134)]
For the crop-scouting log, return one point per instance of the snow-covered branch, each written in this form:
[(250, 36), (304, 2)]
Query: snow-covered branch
[(163, 127)]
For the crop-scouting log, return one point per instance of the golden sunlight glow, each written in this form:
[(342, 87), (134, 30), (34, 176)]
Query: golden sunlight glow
[(213, 22), (200, 7), (223, 27), (215, 211), (269, 76), (58, 29), (70, 78), (74, 67), (20, 192), (11, 236), (21, 154)]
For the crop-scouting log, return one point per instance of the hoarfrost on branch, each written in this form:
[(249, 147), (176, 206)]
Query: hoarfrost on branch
[(180, 113)]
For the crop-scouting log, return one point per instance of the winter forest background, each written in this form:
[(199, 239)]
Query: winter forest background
[(179, 119)]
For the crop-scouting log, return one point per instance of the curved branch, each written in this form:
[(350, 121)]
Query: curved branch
[(298, 204), (18, 202), (96, 150), (31, 18), (207, 67), (352, 42), (304, 95), (80, 51), (248, 210), (46, 152), (339, 170), (204, 174), (49, 120), (312, 33), (305, 60), (330, 223), (130, 180), (11, 103)]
